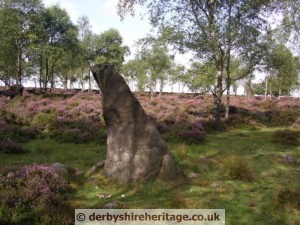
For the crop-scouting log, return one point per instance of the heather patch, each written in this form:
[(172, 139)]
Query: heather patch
[(16, 132), (79, 131), (11, 147), (32, 194)]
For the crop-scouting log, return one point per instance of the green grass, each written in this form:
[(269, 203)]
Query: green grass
[(49, 151), (253, 201)]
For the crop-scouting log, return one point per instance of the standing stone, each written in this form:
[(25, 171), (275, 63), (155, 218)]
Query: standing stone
[(135, 149)]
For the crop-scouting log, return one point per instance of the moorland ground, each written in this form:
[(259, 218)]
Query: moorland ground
[(248, 165)]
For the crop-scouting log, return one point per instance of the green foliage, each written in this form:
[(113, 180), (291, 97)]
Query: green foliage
[(259, 88), (108, 48), (284, 69), (135, 69), (57, 44), (201, 77), (17, 35), (152, 64), (44, 121)]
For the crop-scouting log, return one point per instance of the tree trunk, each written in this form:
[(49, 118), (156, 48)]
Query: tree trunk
[(81, 80), (218, 90), (228, 51), (19, 66), (90, 82), (151, 93), (161, 86), (279, 93), (66, 84), (227, 98), (235, 89), (41, 71), (82, 86), (46, 75), (182, 90), (228, 82), (52, 83), (52, 78), (266, 88)]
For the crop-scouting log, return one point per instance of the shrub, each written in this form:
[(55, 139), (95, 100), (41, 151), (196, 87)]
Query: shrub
[(67, 135), (44, 121), (78, 130), (11, 147), (13, 117), (32, 194), (283, 118), (238, 168), (286, 137), (15, 132), (43, 150), (212, 125), (193, 134), (296, 124)]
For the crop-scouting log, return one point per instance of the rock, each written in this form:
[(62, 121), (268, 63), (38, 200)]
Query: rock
[(135, 149), (193, 175), (110, 205), (202, 158), (99, 165), (63, 170), (215, 184), (288, 159), (169, 169)]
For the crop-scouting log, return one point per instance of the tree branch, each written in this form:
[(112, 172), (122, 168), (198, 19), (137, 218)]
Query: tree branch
[(202, 9), (196, 17), (248, 71), (212, 92), (7, 84)]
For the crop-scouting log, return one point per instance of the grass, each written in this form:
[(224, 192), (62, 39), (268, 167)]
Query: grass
[(49, 151), (247, 201)]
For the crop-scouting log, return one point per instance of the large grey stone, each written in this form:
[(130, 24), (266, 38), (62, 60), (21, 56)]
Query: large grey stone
[(135, 149)]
